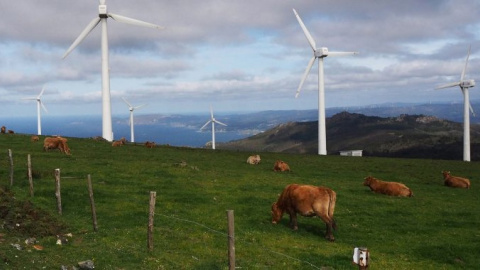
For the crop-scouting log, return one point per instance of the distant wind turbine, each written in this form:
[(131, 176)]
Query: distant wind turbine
[(464, 85), (39, 104), (213, 121), (131, 109), (318, 53), (102, 17)]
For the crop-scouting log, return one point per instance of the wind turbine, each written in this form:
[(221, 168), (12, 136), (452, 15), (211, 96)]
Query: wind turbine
[(320, 54), (102, 18), (39, 104), (464, 85), (213, 121), (132, 108)]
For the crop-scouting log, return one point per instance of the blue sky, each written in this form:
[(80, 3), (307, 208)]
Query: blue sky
[(234, 55)]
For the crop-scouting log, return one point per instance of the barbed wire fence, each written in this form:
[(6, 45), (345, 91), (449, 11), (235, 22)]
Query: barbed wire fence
[(238, 240), (179, 219)]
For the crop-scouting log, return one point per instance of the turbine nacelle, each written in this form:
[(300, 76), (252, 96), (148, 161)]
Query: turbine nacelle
[(467, 84), (102, 11), (321, 52)]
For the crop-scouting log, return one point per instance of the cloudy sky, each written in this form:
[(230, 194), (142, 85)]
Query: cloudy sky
[(238, 55)]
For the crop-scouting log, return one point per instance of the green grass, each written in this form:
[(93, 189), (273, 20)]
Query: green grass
[(438, 228)]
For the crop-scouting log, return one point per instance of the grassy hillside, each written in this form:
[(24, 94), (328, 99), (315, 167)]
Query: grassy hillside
[(405, 136), (435, 229)]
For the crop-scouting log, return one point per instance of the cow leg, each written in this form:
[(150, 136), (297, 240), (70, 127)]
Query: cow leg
[(293, 220), (329, 234), (329, 223)]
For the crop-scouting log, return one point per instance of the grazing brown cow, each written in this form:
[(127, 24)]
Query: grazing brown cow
[(455, 181), (308, 201), (56, 143), (253, 159), (387, 188), (281, 166), (150, 144), (34, 138), (3, 130)]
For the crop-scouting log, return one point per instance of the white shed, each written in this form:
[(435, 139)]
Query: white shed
[(351, 153)]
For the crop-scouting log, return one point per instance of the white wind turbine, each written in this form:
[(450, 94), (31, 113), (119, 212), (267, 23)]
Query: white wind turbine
[(131, 109), (102, 17), (213, 121), (319, 53), (39, 104), (464, 85)]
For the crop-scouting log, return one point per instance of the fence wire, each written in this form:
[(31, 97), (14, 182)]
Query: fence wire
[(236, 239)]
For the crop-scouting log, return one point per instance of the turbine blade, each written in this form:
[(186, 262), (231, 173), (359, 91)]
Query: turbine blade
[(43, 106), (311, 41), (126, 102), (208, 122), (218, 122), (211, 112), (140, 106), (471, 109), (305, 75), (124, 19), (466, 63), (448, 85), (41, 93), (82, 35), (341, 53)]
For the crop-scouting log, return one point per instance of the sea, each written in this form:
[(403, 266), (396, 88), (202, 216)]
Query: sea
[(91, 126)]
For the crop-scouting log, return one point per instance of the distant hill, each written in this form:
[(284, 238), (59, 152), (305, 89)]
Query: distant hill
[(407, 136)]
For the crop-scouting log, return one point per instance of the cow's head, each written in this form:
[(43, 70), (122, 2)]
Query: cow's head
[(277, 213), (446, 174), (367, 181), (65, 148)]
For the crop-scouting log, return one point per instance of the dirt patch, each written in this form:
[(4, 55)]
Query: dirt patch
[(22, 218)]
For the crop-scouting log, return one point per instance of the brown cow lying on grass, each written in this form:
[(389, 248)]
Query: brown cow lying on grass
[(455, 181), (34, 138), (308, 201), (281, 166), (120, 142), (387, 188), (56, 143), (253, 159)]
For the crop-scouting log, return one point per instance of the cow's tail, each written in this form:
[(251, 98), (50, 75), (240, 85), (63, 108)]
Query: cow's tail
[(331, 207)]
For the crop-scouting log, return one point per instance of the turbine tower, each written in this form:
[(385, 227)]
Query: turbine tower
[(39, 104), (131, 109), (213, 121), (464, 85), (320, 54), (102, 18)]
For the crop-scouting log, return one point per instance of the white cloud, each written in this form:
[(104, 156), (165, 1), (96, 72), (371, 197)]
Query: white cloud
[(240, 54)]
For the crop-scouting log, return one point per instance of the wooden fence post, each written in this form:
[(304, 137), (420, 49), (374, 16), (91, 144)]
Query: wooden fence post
[(92, 203), (10, 157), (30, 180), (231, 240), (153, 196), (57, 191)]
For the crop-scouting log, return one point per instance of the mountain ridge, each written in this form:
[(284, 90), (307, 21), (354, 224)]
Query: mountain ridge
[(406, 136)]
